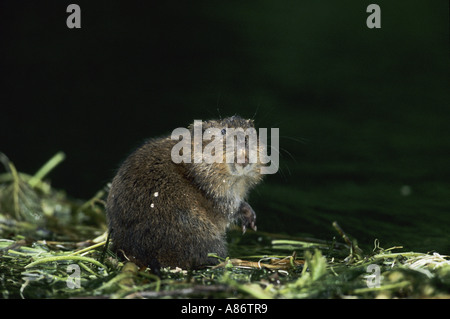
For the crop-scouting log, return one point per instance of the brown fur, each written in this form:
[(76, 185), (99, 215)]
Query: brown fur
[(165, 214)]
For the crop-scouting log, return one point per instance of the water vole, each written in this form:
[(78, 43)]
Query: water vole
[(162, 213)]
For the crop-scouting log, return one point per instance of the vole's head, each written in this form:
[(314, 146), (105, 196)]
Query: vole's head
[(226, 160)]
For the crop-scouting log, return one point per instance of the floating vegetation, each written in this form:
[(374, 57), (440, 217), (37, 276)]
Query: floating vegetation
[(29, 206), (55, 247)]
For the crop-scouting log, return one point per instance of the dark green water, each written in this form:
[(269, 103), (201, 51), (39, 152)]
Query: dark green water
[(384, 176)]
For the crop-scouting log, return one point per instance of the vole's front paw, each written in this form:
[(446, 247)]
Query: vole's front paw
[(248, 217)]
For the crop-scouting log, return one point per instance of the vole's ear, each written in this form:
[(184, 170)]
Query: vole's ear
[(205, 124), (196, 122)]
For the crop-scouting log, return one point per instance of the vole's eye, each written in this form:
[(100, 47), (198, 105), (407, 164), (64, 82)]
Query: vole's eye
[(224, 131)]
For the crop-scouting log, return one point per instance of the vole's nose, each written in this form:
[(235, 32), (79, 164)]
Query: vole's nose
[(242, 157)]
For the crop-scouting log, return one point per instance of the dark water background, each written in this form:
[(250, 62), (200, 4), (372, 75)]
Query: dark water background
[(364, 114)]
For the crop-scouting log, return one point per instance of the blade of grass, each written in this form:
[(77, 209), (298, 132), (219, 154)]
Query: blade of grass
[(63, 258), (46, 168)]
